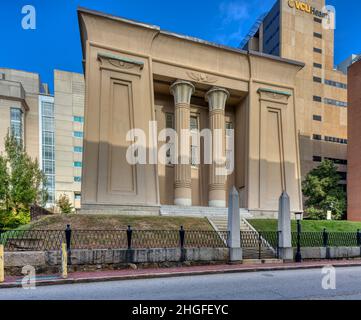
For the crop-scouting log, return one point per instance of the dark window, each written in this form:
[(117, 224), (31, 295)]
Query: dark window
[(317, 118), (338, 161), (343, 175), (318, 20), (317, 65), (317, 99), (317, 79), (336, 84), (317, 35), (317, 137), (317, 159), (317, 50)]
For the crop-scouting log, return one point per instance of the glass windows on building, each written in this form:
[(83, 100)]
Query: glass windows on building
[(78, 134), (16, 124), (317, 65), (78, 119), (336, 84), (317, 99), (317, 137), (194, 147), (77, 179), (78, 164), (78, 149), (335, 102), (48, 147)]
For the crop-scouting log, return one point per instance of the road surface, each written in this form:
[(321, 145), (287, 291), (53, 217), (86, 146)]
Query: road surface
[(275, 285)]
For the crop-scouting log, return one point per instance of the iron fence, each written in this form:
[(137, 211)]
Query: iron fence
[(259, 245), (48, 240)]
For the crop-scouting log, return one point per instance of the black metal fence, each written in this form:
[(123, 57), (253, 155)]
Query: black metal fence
[(259, 245), (47, 240)]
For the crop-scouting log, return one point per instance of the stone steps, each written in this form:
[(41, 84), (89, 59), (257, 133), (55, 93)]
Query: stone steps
[(199, 212)]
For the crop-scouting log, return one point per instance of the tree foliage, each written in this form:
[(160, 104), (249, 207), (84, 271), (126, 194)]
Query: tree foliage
[(64, 204), (323, 192), (22, 184)]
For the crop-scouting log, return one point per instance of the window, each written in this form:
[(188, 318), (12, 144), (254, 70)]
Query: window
[(48, 147), (317, 159), (78, 134), (317, 50), (336, 140), (78, 164), (16, 124), (78, 119), (317, 65), (338, 161), (77, 196), (317, 79), (317, 137), (78, 149), (335, 102), (317, 35), (343, 175), (317, 99), (317, 20), (336, 84), (169, 120), (77, 179), (317, 118), (229, 153), (194, 148)]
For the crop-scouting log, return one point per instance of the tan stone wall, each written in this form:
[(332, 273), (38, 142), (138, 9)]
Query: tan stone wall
[(68, 102), (129, 71), (297, 42)]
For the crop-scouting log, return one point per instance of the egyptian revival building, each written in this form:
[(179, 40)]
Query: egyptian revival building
[(136, 73)]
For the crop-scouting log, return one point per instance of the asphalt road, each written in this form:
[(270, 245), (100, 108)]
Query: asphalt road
[(278, 285)]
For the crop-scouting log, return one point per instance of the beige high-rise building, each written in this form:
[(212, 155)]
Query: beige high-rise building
[(50, 127), (296, 30)]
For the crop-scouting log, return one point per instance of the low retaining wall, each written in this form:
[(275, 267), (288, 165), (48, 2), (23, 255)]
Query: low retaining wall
[(330, 253), (49, 261)]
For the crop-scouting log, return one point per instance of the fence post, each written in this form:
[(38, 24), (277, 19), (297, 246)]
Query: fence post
[(325, 238), (182, 236), (68, 242), (2, 264), (358, 238), (64, 261), (129, 237), (278, 243), (234, 227)]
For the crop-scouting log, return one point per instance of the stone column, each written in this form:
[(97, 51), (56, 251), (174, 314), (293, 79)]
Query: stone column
[(182, 92), (284, 228), (217, 98)]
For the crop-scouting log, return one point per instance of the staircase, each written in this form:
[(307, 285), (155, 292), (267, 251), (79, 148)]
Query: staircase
[(250, 241), (199, 212)]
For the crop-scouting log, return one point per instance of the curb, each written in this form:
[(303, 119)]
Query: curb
[(175, 274)]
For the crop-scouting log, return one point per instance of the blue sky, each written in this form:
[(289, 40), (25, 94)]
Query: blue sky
[(55, 44)]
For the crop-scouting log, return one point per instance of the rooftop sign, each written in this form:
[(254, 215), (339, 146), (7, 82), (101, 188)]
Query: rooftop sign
[(302, 6)]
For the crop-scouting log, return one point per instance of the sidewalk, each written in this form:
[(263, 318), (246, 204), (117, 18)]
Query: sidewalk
[(129, 274)]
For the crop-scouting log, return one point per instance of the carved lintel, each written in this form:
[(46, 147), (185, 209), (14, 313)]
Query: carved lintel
[(120, 62), (201, 77), (270, 94)]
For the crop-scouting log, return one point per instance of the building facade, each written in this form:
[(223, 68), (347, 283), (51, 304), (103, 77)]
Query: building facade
[(296, 30), (50, 127), (137, 74), (354, 148)]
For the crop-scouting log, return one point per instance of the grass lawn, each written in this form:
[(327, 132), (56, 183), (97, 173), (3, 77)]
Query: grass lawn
[(308, 225), (118, 222)]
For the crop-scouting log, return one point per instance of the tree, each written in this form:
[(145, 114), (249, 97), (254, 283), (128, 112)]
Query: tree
[(323, 192), (64, 204), (22, 184)]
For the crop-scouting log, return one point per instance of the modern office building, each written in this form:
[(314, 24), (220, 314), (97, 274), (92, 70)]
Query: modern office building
[(50, 127), (344, 65), (294, 30), (354, 147), (136, 73)]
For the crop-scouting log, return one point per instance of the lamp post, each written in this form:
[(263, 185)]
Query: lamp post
[(298, 254)]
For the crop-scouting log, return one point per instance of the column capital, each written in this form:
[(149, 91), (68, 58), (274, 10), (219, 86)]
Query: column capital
[(182, 91), (217, 98)]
